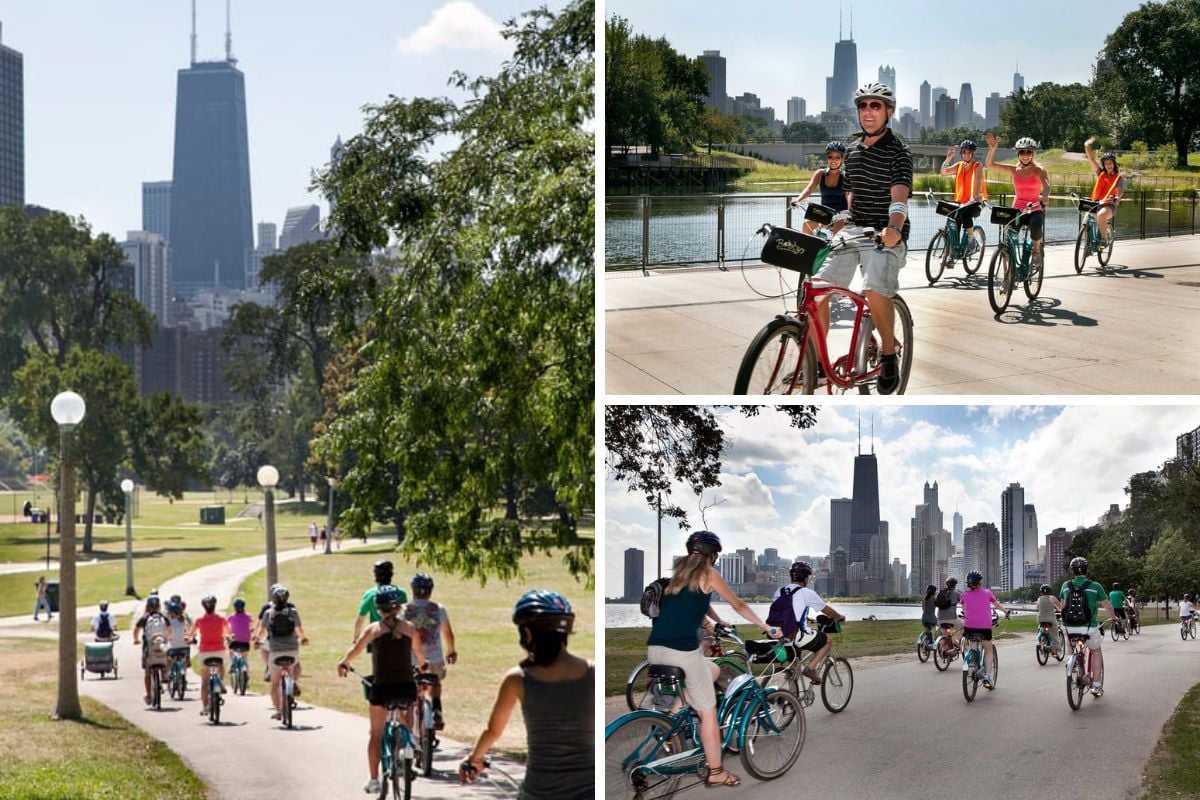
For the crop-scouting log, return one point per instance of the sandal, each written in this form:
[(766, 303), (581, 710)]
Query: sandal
[(812, 676), (730, 779)]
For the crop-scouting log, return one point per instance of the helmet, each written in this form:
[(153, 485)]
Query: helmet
[(835, 145), (104, 605), (974, 578), (879, 91), (153, 601), (1116, 584), (239, 604), (280, 593), (1187, 596), (1045, 588), (1025, 143), (930, 588), (421, 582), (951, 582), (968, 144), (1109, 154), (383, 572), (209, 602), (800, 570), (176, 599), (174, 608), (1079, 565), (703, 542), (387, 597), (545, 608)]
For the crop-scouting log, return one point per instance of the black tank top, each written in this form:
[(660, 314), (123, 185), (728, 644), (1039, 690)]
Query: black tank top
[(391, 656)]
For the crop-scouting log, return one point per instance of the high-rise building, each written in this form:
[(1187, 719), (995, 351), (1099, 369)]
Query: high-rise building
[(796, 108), (211, 223), (966, 107), (841, 85), (887, 76), (878, 558), (1187, 448), (838, 565), (944, 112), (864, 510), (12, 126), (150, 258), (958, 529), (1057, 543), (635, 574), (732, 569), (714, 64), (981, 552), (926, 105), (770, 559), (1018, 80), (935, 513), (1012, 537), (302, 225), (900, 577), (747, 556), (1031, 534), (266, 247), (839, 523), (991, 116), (156, 208)]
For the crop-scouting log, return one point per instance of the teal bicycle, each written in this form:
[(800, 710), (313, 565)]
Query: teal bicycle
[(397, 751), (643, 692), (1090, 241), (973, 663), (959, 240), (648, 753), (177, 679), (239, 670), (1014, 259), (215, 689)]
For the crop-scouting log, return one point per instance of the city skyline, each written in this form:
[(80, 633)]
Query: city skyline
[(777, 482), (763, 58), (94, 135)]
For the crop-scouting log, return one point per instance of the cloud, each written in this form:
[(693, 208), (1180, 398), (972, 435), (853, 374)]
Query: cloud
[(458, 25)]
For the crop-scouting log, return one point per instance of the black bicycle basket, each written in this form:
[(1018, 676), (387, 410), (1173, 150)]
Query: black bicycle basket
[(822, 215), (1002, 215), (1087, 205), (792, 250), (945, 208)]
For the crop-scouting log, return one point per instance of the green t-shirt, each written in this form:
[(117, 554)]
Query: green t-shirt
[(1117, 598), (367, 605), (1094, 592)]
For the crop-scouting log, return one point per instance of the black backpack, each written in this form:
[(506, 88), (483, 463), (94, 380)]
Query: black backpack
[(651, 602), (1075, 609), (782, 615), (942, 599), (104, 629), (282, 623)]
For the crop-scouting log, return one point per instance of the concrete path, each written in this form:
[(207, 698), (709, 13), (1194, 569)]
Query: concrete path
[(1130, 328), (906, 722), (249, 756)]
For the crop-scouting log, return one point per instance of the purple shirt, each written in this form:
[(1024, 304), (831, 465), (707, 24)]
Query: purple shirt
[(239, 627), (977, 605)]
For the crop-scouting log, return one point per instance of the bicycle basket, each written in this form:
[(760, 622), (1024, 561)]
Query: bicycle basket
[(1002, 215), (793, 250), (1087, 205), (945, 208), (763, 651), (818, 213), (828, 624)]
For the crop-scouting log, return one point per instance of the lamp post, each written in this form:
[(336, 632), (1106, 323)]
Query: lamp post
[(127, 488), (68, 409), (329, 521), (268, 476)]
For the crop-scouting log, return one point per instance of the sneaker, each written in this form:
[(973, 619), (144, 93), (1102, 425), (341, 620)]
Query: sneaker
[(1097, 690), (987, 682), (147, 699), (277, 715), (812, 675), (204, 712), (371, 786), (889, 374), (438, 723)]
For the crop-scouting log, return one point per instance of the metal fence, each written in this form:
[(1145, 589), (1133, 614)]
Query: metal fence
[(676, 231)]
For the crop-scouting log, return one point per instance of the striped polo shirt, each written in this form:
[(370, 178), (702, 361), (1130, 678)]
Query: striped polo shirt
[(871, 172)]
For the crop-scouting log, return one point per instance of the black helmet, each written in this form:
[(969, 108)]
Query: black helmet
[(387, 597), (703, 542), (209, 602), (1116, 585), (422, 582), (835, 145), (951, 583), (383, 572), (239, 604), (104, 605), (800, 570), (930, 589), (1109, 154), (968, 144), (1045, 588), (974, 578), (153, 601), (280, 594), (545, 609), (1079, 565)]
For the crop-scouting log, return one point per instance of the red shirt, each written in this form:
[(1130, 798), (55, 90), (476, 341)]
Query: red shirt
[(212, 632)]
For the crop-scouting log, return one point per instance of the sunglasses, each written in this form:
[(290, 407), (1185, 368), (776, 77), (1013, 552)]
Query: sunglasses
[(1024, 152), (874, 105)]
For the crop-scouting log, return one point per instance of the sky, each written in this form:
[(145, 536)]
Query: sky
[(783, 49), (100, 86), (777, 481)]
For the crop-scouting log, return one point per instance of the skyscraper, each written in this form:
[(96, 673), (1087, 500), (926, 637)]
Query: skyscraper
[(149, 256), (944, 112), (926, 105), (211, 224), (1031, 534), (966, 107), (795, 110), (156, 208), (635, 574), (1012, 537), (12, 126), (839, 523), (714, 63), (981, 552), (887, 76), (841, 85), (958, 529), (300, 226), (992, 106), (1018, 79), (1057, 542), (1187, 448), (266, 247), (864, 511)]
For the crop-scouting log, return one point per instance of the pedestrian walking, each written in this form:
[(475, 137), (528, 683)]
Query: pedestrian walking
[(337, 536), (322, 535), (42, 601), (312, 534)]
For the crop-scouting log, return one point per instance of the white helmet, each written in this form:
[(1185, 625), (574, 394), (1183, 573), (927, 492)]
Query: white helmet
[(1025, 143), (878, 91)]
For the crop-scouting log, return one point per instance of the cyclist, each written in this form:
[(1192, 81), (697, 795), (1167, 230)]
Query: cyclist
[(1047, 604), (977, 604), (1031, 184), (213, 628), (1110, 185), (367, 613), (152, 623), (391, 662), (929, 611), (1096, 599), (280, 625), (1116, 599), (803, 600), (1185, 609), (878, 183), (1131, 610), (969, 187), (179, 638), (103, 624), (673, 641), (433, 626), (555, 690), (831, 182), (947, 617), (241, 627)]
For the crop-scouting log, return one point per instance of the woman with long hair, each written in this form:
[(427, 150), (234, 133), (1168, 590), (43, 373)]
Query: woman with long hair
[(673, 641), (1110, 184), (1031, 184)]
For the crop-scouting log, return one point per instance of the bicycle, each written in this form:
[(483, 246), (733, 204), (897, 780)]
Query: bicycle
[(945, 649), (1045, 645), (1119, 629), (239, 670), (925, 644), (785, 355), (215, 689), (973, 663), (1135, 624), (396, 749), (505, 783), (647, 753), (786, 660), (956, 241), (177, 681), (287, 689), (1090, 240), (641, 691), (427, 740), (1187, 628), (156, 653), (1079, 668), (1013, 260)]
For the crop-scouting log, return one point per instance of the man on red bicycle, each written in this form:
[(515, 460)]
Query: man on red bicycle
[(1110, 184), (1094, 597)]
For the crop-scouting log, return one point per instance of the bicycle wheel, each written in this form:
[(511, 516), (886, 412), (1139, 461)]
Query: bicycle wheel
[(995, 666), (403, 777), (774, 362), (1192, 630), (837, 684), (1105, 254), (1062, 646), (774, 735), (923, 648), (426, 732), (934, 255), (970, 676), (1042, 646), (980, 240), (1033, 283), (156, 688), (1077, 682), (1000, 281), (1183, 631), (940, 660), (285, 705), (1081, 249), (214, 701), (1113, 632), (638, 689), (244, 680), (904, 341), (633, 740)]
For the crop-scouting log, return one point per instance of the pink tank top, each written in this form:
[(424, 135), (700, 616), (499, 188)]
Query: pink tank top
[(1028, 189)]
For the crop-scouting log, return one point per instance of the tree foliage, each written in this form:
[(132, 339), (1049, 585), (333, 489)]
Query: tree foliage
[(167, 447), (717, 127), (1053, 114), (805, 132)]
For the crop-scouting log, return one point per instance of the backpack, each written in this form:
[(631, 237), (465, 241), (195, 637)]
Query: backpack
[(104, 629), (281, 624), (782, 615), (1075, 609), (155, 625), (942, 599), (651, 602)]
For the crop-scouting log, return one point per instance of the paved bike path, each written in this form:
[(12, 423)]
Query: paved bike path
[(249, 756)]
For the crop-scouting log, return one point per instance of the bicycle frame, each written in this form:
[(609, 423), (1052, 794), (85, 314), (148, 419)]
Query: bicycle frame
[(806, 305), (1011, 238)]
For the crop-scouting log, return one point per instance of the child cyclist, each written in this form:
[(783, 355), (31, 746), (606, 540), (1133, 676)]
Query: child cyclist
[(555, 689), (977, 604)]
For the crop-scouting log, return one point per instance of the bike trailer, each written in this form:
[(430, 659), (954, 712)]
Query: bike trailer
[(1002, 215), (794, 250), (98, 657)]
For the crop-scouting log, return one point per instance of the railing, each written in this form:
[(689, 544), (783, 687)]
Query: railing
[(646, 231)]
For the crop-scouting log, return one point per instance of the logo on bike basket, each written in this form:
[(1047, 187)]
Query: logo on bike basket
[(795, 248)]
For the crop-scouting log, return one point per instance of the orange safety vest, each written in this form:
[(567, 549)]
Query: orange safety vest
[(964, 183), (1105, 186)]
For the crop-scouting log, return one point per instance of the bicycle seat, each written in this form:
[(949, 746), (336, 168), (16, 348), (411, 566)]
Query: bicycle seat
[(284, 661), (427, 679), (974, 637), (1082, 636), (213, 661), (662, 672)]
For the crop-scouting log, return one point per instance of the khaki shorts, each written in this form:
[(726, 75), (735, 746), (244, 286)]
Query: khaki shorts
[(881, 269), (697, 672), (1094, 637), (285, 653), (221, 654)]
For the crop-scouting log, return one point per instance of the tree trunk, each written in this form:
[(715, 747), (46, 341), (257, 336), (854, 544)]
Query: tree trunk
[(401, 528)]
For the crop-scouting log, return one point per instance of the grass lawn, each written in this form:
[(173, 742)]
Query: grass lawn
[(327, 590), (1173, 770), (100, 757)]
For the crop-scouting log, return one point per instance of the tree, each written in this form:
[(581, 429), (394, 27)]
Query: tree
[(1148, 73), (717, 127), (805, 132), (1171, 566), (168, 449), (951, 136), (1053, 114), (477, 383), (1143, 521)]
